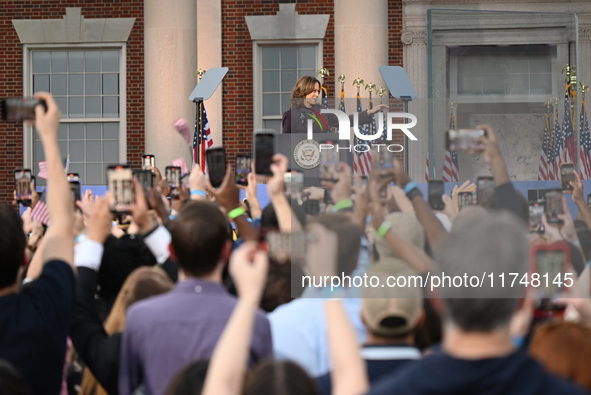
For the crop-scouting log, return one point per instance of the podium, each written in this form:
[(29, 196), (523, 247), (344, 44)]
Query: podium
[(304, 154)]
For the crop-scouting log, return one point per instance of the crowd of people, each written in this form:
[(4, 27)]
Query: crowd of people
[(204, 294)]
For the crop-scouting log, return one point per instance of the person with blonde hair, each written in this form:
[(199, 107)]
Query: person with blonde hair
[(304, 107)]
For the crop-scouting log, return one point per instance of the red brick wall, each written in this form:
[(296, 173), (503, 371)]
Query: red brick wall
[(395, 57), (237, 56), (11, 71)]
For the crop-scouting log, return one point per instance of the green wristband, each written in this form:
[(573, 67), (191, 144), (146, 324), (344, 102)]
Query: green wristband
[(237, 212), (384, 228), (347, 203)]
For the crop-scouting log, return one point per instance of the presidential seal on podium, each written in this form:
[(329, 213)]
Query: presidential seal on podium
[(307, 154)]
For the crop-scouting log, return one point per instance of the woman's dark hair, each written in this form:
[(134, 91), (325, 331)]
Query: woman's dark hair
[(303, 87), (279, 378), (189, 380)]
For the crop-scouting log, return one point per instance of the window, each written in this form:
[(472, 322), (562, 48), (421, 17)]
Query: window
[(87, 85), (281, 66), (519, 71)]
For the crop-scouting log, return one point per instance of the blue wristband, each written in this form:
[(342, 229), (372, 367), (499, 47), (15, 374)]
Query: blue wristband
[(409, 187), (198, 192)]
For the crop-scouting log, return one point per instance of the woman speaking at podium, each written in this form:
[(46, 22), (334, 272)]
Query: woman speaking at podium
[(304, 106)]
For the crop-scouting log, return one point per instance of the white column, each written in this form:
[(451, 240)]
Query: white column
[(361, 44), (209, 53), (170, 55)]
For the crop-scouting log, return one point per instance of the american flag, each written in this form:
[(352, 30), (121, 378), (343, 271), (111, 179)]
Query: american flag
[(41, 212), (543, 174), (324, 98), (180, 162), (568, 134), (585, 151), (558, 147), (43, 167), (451, 169), (203, 139), (427, 169), (361, 160)]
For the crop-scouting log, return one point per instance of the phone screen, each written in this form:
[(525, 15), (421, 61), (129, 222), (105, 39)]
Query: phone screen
[(485, 188), (436, 190), (216, 165), (20, 109), (465, 199), (264, 149), (148, 161), (567, 174), (173, 178), (74, 181), (294, 185), (22, 186), (243, 168), (553, 263), (536, 211), (329, 163), (589, 200), (553, 204), (119, 182), (463, 139)]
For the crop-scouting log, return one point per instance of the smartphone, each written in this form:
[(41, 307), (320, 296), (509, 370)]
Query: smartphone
[(536, 211), (173, 179), (20, 109), (120, 183), (243, 168), (553, 206), (328, 197), (465, 199), (294, 185), (485, 188), (146, 178), (74, 181), (329, 163), (589, 200), (148, 161), (567, 174), (216, 165), (384, 160), (463, 139), (436, 190), (22, 186), (264, 149), (551, 262)]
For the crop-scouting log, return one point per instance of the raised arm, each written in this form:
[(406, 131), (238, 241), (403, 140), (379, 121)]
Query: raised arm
[(580, 200), (227, 367), (349, 375), (275, 187), (414, 256), (59, 239), (433, 227)]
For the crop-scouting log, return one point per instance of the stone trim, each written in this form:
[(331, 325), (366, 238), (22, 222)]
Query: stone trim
[(414, 37), (287, 24), (73, 28)]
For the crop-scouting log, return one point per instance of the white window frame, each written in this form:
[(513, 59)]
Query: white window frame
[(501, 98), (28, 138), (257, 79)]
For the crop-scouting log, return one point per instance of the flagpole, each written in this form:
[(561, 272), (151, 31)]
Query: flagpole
[(196, 150)]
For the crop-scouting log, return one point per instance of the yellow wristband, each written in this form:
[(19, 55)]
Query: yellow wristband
[(237, 212)]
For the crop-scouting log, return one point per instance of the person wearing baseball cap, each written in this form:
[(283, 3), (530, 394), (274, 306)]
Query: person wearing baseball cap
[(391, 316)]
